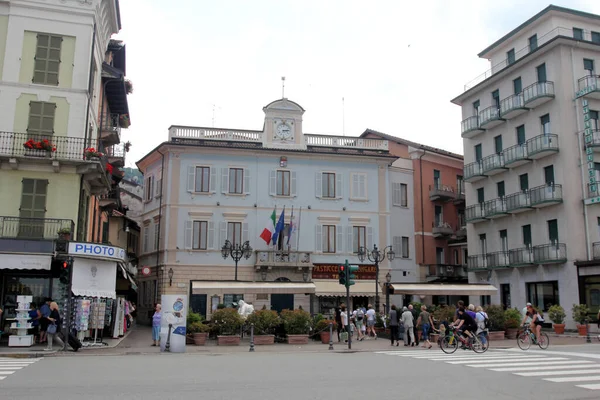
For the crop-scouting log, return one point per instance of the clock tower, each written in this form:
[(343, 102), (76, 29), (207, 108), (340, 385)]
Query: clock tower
[(283, 125)]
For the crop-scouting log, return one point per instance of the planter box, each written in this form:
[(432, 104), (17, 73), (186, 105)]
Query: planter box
[(511, 333), (297, 339), (582, 329), (264, 339), (559, 329), (498, 335), (228, 340), (325, 336), (200, 338)]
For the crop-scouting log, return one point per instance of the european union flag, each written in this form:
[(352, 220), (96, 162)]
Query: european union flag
[(180, 330)]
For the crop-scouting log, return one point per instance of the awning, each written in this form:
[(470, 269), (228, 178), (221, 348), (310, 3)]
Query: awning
[(334, 289), (442, 289), (94, 278), (127, 275), (25, 261), (255, 287)]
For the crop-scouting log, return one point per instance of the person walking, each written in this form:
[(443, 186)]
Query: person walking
[(426, 324), (54, 323), (358, 317), (44, 321), (156, 325), (394, 326), (408, 322), (415, 318), (371, 318), (345, 327), (34, 315), (338, 322)]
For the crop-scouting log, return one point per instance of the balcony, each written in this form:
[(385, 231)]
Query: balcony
[(473, 172), (441, 192), (499, 259), (460, 195), (554, 253), (588, 87), (470, 128), (542, 146), (516, 156), (518, 202), (475, 213), (490, 117), (477, 263), (546, 195), (34, 228), (495, 208), (521, 257), (512, 106), (277, 258), (110, 129), (537, 94), (110, 200), (596, 250), (447, 272), (442, 229), (116, 155), (493, 164), (594, 140), (461, 231)]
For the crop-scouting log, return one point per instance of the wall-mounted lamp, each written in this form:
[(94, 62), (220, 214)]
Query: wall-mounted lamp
[(305, 276), (218, 203), (309, 207), (170, 276), (344, 209), (127, 229), (263, 275)]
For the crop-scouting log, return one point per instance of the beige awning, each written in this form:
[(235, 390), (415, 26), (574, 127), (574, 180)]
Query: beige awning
[(334, 289), (442, 289), (255, 287)]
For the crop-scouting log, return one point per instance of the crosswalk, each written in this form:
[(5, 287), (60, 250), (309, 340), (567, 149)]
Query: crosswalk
[(9, 366), (583, 373)]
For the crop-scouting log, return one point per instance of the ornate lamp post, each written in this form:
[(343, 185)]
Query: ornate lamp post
[(388, 279), (236, 252), (376, 256)]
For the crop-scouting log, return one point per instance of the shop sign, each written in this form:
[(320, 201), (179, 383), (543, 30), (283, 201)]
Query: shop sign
[(588, 89), (588, 135), (96, 250), (330, 271)]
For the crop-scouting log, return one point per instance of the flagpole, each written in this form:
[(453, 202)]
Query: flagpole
[(298, 229), (291, 226)]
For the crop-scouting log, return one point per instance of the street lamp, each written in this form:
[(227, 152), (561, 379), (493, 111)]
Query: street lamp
[(388, 279), (170, 276), (236, 251), (376, 256)]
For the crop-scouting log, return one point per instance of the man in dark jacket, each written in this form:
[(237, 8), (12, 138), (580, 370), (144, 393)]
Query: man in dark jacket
[(415, 317)]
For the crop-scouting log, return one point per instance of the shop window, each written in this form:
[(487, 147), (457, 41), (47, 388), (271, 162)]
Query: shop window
[(229, 299), (543, 294)]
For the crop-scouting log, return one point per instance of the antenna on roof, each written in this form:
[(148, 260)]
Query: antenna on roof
[(343, 117), (214, 108), (283, 87)]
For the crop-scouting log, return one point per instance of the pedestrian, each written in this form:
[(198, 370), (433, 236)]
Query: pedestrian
[(415, 314), (426, 324), (480, 317), (371, 318), (407, 321), (338, 322), (156, 324), (44, 321), (394, 326), (524, 312), (344, 318), (358, 317), (54, 323), (460, 304), (34, 315), (471, 311)]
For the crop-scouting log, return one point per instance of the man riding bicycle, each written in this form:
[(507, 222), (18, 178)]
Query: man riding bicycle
[(465, 322), (536, 320)]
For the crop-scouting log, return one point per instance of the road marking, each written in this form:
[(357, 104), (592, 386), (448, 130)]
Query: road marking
[(558, 373), (474, 356), (9, 366), (574, 379), (593, 386), (555, 353), (6, 372), (525, 364), (540, 368)]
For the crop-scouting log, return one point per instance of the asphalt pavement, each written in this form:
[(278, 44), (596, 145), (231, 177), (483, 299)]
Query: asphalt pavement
[(397, 372)]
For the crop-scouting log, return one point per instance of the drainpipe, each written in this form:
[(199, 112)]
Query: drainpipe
[(162, 173), (581, 164), (422, 205)]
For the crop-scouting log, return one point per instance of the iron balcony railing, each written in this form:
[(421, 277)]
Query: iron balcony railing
[(515, 153), (475, 212), (588, 84), (495, 206), (442, 191), (492, 162), (117, 151), (498, 259), (596, 250), (473, 169), (549, 253), (35, 228), (521, 256), (537, 90), (491, 113), (110, 123), (544, 142), (440, 227), (518, 200), (511, 103), (469, 124), (546, 194), (477, 262), (447, 270)]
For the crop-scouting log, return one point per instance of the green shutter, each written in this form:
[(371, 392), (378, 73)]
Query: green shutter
[(588, 65), (478, 153), (524, 182), (526, 235), (553, 230), (518, 85), (480, 195), (541, 73), (33, 207), (41, 118), (501, 189), (521, 134), (549, 174), (498, 144)]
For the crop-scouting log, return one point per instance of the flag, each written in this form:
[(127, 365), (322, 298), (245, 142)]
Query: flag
[(292, 227), (279, 227), (267, 233)]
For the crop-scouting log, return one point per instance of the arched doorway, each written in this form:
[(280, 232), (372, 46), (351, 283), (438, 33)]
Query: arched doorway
[(281, 302)]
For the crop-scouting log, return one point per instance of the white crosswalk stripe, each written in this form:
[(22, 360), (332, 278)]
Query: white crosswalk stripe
[(9, 366), (556, 367)]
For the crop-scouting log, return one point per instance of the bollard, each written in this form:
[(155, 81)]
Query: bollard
[(168, 344), (251, 337), (330, 336), (587, 328)]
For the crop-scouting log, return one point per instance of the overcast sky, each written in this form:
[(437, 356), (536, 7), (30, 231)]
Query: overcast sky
[(397, 64)]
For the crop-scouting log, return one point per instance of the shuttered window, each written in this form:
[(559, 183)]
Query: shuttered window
[(47, 59), (41, 118)]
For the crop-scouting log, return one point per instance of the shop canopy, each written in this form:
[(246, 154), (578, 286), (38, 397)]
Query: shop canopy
[(94, 278), (26, 261), (442, 289), (255, 287), (334, 289)]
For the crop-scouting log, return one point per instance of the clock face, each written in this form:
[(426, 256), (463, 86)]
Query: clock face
[(284, 131)]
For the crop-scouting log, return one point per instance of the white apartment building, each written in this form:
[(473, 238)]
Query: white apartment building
[(530, 130)]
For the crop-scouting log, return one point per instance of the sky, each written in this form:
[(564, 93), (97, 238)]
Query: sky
[(392, 66)]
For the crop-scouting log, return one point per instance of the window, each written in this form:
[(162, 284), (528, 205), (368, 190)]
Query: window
[(158, 188), (526, 231), (156, 236), (480, 195), (33, 205), (397, 243), (236, 180), (476, 106), (504, 239), (47, 59), (578, 33), (541, 73), (328, 185), (533, 43), (594, 119), (148, 186), (439, 255), (465, 256), (549, 174), (496, 98), (553, 231), (104, 232), (588, 65), (456, 257), (595, 37), (359, 186), (229, 299), (460, 186), (359, 238), (399, 194), (521, 134), (146, 238), (517, 85), (437, 180), (41, 118), (329, 238), (405, 248), (438, 216), (543, 294), (234, 232), (524, 182), (545, 120), (510, 56), (485, 300), (498, 144), (483, 243), (283, 183), (478, 153), (202, 180), (500, 188)]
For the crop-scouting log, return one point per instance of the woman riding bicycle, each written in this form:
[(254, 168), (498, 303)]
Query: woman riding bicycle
[(536, 321)]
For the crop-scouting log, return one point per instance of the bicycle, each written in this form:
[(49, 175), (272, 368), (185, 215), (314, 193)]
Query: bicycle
[(449, 343), (527, 337)]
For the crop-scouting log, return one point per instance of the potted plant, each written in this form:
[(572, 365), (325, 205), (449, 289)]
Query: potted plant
[(297, 324), (265, 322), (65, 233), (43, 145), (128, 86), (512, 319), (127, 146), (196, 329), (91, 153), (227, 323), (557, 315), (124, 121), (496, 316), (580, 315), (323, 328)]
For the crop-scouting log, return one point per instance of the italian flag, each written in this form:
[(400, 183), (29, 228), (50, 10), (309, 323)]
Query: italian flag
[(267, 233)]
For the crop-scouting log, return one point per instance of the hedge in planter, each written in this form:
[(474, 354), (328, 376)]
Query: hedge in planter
[(265, 322), (297, 324), (580, 315), (497, 319), (512, 320), (557, 315), (227, 323), (322, 329)]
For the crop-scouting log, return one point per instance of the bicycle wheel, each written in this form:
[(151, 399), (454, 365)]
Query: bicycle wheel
[(544, 341), (449, 344), (524, 341), (480, 344)]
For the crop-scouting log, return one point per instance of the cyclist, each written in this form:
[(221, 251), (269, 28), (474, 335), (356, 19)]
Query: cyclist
[(536, 320), (465, 322)]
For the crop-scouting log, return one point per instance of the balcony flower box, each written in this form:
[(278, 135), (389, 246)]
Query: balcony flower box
[(42, 148), (92, 154), (124, 121), (64, 233)]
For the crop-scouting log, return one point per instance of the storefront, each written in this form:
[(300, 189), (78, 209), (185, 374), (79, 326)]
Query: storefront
[(588, 273)]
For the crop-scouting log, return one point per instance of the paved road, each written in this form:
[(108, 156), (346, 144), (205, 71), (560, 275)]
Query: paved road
[(414, 373)]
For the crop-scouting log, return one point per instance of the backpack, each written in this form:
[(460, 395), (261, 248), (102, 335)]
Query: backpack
[(486, 321), (360, 315)]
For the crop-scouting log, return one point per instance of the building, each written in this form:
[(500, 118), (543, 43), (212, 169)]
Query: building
[(530, 129), (438, 206), (48, 84), (207, 185)]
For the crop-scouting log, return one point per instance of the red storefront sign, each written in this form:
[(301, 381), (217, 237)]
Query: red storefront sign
[(330, 271)]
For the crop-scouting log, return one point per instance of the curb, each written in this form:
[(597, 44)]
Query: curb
[(27, 355)]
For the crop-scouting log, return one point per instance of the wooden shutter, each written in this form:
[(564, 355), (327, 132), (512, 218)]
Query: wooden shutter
[(369, 238), (339, 193), (211, 236), (146, 238), (362, 186), (246, 180), (318, 184), (213, 180), (319, 238), (191, 179), (293, 190), (158, 188), (349, 239), (224, 180), (41, 118), (397, 245), (47, 59), (272, 182), (223, 232), (33, 205), (339, 240)]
